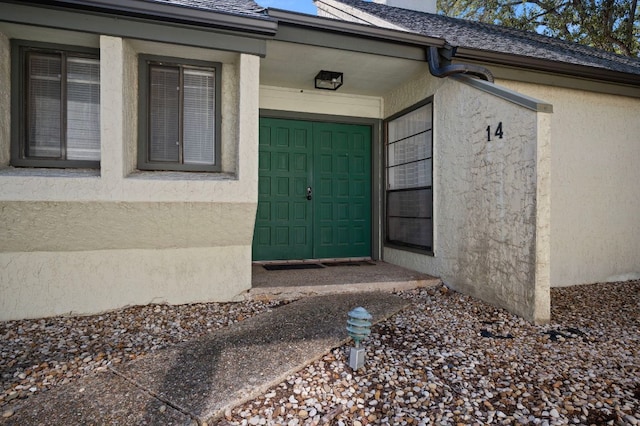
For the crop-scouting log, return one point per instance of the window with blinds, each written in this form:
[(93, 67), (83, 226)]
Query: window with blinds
[(182, 115), (409, 165), (58, 94)]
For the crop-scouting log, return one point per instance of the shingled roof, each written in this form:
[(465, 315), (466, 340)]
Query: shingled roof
[(494, 38), (247, 8), (242, 15)]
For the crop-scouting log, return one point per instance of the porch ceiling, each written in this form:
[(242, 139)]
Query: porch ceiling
[(295, 65)]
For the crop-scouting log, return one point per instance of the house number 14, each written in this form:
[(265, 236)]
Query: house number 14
[(499, 133)]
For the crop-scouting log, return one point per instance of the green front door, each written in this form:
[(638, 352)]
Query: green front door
[(314, 191)]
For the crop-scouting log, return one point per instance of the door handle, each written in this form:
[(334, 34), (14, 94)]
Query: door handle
[(309, 193)]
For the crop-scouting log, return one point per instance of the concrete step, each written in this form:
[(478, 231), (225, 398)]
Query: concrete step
[(333, 278)]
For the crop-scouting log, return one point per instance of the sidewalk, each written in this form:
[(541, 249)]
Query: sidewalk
[(193, 383)]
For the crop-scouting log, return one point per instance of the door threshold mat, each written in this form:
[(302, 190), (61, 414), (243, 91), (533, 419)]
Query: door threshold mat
[(357, 263), (291, 266)]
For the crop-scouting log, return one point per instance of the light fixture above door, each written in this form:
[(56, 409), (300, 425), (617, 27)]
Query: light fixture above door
[(328, 80)]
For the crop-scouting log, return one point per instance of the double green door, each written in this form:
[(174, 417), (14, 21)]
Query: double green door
[(314, 191)]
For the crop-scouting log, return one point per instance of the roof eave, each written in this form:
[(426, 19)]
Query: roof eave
[(575, 70), (170, 13), (355, 29)]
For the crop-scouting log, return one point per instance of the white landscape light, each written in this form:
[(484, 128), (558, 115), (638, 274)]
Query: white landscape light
[(328, 80), (358, 327)]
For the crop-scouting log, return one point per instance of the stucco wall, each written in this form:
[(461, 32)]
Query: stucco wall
[(73, 226), (40, 284), (595, 196), (90, 240), (489, 241)]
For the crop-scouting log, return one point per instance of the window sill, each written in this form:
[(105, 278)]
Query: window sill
[(182, 176), (48, 173), (410, 249)]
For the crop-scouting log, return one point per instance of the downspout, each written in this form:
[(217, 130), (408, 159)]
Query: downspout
[(441, 71)]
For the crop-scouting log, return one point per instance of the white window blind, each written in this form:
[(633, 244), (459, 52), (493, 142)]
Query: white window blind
[(83, 109), (182, 115), (164, 114), (199, 118), (44, 106), (63, 107)]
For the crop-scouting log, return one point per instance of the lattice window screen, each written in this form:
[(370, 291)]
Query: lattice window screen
[(409, 179)]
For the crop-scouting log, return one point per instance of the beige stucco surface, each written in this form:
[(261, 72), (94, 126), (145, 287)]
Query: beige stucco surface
[(86, 241), (485, 198), (41, 284), (544, 178), (73, 226), (595, 196)]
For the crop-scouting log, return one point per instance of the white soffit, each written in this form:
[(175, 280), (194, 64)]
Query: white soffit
[(295, 65)]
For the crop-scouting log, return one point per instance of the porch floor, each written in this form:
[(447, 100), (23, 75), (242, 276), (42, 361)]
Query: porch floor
[(334, 278)]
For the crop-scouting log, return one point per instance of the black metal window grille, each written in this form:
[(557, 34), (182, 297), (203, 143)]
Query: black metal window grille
[(409, 174)]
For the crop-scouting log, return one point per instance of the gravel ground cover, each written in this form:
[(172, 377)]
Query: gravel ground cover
[(453, 360), (448, 359), (38, 354)]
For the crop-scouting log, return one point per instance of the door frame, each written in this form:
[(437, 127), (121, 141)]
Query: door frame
[(377, 189)]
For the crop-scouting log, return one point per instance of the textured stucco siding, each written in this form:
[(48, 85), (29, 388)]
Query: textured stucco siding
[(595, 195), (86, 241), (41, 284), (542, 294), (485, 199), (62, 226)]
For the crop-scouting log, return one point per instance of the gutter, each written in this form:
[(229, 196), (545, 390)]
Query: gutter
[(442, 71), (435, 47), (556, 67), (169, 13), (352, 28)]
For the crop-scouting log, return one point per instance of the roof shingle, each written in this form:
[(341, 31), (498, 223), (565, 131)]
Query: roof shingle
[(495, 38), (247, 8)]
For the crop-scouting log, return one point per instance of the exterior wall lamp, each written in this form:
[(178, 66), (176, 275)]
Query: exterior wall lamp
[(328, 80)]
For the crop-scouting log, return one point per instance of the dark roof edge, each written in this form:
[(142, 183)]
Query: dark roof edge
[(506, 94), (547, 65), (335, 25), (171, 13)]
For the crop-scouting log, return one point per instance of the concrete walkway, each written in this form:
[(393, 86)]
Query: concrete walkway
[(196, 381)]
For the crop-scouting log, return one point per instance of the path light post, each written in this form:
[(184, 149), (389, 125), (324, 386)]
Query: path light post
[(358, 327)]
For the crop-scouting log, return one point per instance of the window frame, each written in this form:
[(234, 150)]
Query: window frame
[(20, 104), (427, 249), (145, 63)]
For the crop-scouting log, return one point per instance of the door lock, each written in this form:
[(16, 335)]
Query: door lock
[(309, 193)]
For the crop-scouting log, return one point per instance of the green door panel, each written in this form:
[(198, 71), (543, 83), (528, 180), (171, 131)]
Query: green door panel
[(342, 196), (334, 160), (283, 220)]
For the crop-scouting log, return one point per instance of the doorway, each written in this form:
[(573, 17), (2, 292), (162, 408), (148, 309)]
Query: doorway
[(314, 191)]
